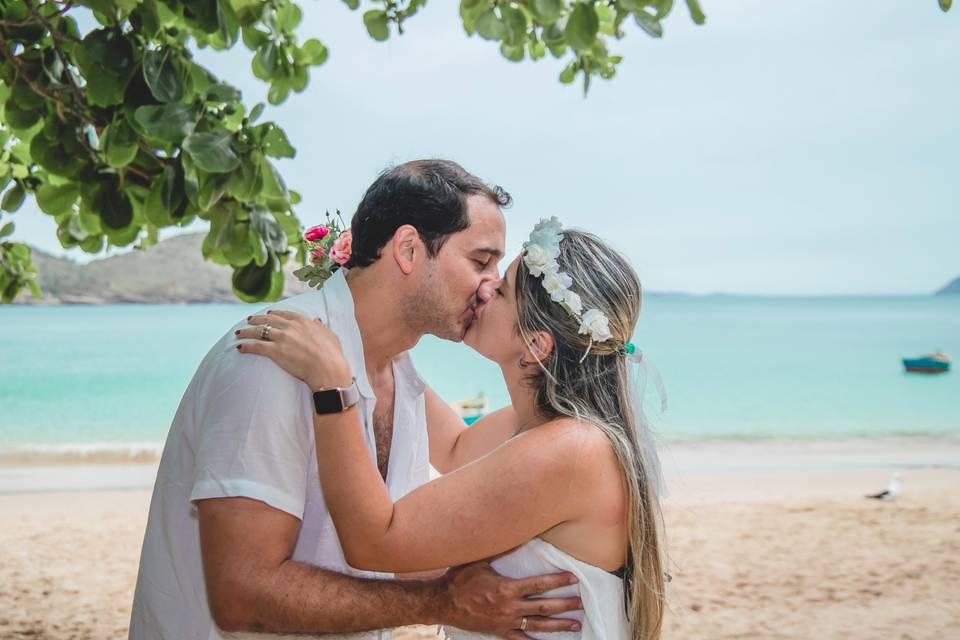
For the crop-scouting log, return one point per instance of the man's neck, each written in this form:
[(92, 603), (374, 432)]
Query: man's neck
[(382, 330)]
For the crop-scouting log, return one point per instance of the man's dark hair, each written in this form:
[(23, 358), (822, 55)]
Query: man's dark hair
[(430, 195)]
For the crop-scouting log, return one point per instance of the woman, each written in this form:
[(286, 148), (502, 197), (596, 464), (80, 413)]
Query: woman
[(571, 487)]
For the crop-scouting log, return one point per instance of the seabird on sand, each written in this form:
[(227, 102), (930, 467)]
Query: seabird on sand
[(892, 490)]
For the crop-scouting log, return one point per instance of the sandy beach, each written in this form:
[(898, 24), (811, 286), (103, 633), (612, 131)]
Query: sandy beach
[(772, 541)]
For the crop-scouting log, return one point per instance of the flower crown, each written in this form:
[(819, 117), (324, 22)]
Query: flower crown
[(327, 247), (540, 255)]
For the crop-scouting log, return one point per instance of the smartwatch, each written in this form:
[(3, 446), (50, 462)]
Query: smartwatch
[(336, 399)]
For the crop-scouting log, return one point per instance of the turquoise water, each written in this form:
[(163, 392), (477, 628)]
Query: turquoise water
[(734, 367)]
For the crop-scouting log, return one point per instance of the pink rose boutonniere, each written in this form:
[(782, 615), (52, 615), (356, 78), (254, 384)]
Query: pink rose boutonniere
[(340, 251), (326, 248)]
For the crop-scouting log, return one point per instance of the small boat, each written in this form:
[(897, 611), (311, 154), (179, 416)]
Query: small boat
[(938, 362), (472, 409)]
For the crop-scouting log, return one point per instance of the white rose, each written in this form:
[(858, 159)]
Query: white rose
[(572, 300), (596, 324), (538, 260), (551, 223), (546, 238), (556, 283)]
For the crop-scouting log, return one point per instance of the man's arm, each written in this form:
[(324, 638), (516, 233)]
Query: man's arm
[(253, 585), (453, 444)]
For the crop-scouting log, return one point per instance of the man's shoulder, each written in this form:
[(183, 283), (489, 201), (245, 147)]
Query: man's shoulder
[(309, 303)]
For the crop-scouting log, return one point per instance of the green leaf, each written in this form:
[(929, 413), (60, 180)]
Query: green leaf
[(223, 92), (246, 180), (212, 152), (256, 112), (252, 283), (696, 13), (90, 222), (553, 36), (248, 11), (161, 75), (582, 27), (168, 122), (945, 4), (513, 53), (212, 188), (547, 11), (470, 11), (490, 27), (278, 92), (112, 205), (57, 200), (273, 185), (13, 198), (536, 49), (254, 38), (515, 24), (569, 73), (18, 118), (8, 228), (649, 24), (119, 144), (166, 201), (106, 60), (34, 288), (288, 17), (24, 96), (376, 22), (353, 4), (191, 182), (266, 226), (312, 52), (265, 61), (275, 144)]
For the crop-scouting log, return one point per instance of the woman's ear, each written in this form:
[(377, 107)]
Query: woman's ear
[(540, 345), (406, 241)]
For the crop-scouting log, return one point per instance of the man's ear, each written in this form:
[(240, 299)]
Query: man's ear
[(406, 247), (541, 345)]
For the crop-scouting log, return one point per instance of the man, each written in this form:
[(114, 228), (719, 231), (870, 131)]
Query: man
[(239, 538)]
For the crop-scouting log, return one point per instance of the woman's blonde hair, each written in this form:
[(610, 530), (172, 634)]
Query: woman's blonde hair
[(599, 390)]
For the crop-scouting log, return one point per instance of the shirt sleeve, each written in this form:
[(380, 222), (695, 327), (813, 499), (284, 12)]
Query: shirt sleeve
[(253, 434)]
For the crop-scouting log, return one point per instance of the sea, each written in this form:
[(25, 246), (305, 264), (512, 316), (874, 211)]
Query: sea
[(103, 382)]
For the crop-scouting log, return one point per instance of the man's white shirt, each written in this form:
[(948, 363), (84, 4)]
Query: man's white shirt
[(245, 428)]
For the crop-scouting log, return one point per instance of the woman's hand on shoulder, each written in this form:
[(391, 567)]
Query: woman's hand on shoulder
[(304, 348)]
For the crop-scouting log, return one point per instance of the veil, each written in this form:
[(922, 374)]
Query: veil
[(642, 372)]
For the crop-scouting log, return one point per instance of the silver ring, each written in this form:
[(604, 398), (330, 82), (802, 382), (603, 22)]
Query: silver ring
[(265, 332), (523, 623)]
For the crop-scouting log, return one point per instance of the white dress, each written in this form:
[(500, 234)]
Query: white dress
[(603, 616)]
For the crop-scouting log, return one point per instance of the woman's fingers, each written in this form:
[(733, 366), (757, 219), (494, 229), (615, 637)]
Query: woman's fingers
[(257, 347), (291, 316), (272, 319), (256, 333)]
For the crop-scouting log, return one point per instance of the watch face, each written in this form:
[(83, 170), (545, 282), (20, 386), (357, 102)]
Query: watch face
[(327, 401)]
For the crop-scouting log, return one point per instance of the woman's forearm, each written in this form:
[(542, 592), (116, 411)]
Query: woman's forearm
[(356, 497)]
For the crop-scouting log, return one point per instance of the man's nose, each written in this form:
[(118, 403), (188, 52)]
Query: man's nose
[(487, 289)]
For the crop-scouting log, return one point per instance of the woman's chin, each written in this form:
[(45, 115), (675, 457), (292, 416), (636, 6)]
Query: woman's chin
[(468, 335)]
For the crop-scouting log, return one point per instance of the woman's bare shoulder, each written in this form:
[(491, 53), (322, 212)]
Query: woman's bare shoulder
[(574, 445)]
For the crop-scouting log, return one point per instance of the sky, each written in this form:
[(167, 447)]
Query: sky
[(781, 149)]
